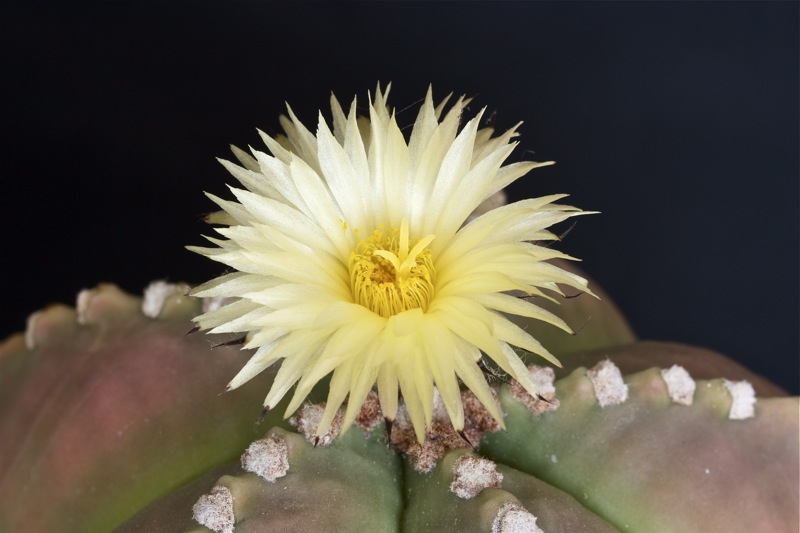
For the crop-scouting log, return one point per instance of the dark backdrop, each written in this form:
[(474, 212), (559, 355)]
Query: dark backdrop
[(679, 121)]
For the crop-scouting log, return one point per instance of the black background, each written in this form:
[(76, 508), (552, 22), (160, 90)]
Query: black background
[(679, 121)]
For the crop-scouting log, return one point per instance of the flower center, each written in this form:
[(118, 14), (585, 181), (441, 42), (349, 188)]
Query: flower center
[(386, 277)]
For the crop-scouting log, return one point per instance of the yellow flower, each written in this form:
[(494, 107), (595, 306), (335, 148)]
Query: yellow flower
[(356, 258)]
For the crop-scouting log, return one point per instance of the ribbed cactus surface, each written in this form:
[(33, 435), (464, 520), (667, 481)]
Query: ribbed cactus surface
[(110, 417)]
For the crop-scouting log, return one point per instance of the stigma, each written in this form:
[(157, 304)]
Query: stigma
[(388, 275)]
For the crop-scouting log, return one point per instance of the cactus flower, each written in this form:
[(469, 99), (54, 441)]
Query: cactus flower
[(354, 259)]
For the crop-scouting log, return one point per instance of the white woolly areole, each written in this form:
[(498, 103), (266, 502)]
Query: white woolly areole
[(743, 399), (308, 419), (215, 510), (543, 378), (439, 409), (545, 398), (82, 305), (30, 329), (473, 474), (513, 518), (156, 295), (212, 303), (680, 384), (268, 457), (609, 389)]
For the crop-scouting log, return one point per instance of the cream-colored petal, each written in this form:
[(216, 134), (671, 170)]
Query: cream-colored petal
[(350, 341), (423, 379), (505, 257), (513, 334), (236, 211), (278, 174), (297, 349), (511, 173), (441, 105), (482, 137), (260, 361), (481, 230), (361, 383), (263, 334), (454, 167), (387, 389), (301, 139), (348, 191), (254, 181), (233, 284), (484, 147), (245, 322), (278, 151), (472, 190), (396, 184), (338, 390), (517, 306), (339, 121), (326, 212), (245, 159), (412, 399), (355, 149), (512, 364), (429, 166), (466, 358), (481, 283), (286, 219), (286, 295), (225, 314), (468, 320), (294, 268), (438, 346), (424, 126), (379, 103)]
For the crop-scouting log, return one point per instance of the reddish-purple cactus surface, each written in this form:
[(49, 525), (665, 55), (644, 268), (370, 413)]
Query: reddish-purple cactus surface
[(103, 408), (111, 413)]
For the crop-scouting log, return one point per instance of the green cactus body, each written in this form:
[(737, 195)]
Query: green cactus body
[(111, 418), (352, 483), (104, 408), (652, 464)]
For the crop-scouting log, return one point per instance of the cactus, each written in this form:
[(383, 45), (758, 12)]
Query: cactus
[(109, 417), (381, 296)]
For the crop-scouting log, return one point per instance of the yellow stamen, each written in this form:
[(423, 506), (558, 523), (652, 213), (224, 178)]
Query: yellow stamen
[(386, 277)]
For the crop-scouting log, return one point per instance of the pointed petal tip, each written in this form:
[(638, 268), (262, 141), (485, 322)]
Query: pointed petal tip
[(464, 437), (263, 414)]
